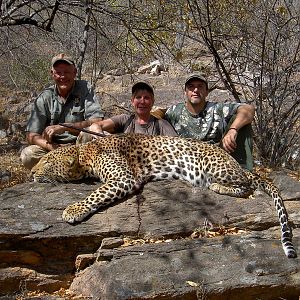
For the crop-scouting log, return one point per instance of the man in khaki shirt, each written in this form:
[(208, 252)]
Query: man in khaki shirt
[(69, 101)]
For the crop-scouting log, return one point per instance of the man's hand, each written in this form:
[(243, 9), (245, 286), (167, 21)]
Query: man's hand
[(52, 146), (158, 112), (52, 130), (104, 127), (229, 140)]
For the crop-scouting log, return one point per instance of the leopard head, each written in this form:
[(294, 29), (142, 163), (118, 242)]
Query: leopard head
[(60, 165)]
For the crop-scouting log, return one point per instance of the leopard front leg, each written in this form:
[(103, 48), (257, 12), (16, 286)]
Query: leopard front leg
[(105, 195)]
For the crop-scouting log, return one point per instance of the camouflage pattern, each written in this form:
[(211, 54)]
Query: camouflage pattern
[(209, 125), (49, 109)]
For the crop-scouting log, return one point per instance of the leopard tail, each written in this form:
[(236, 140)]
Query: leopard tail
[(286, 232)]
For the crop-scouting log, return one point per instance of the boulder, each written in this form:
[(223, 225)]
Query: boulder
[(154, 68), (169, 241), (116, 72)]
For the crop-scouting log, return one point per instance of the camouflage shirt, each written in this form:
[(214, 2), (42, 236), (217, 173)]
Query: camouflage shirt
[(209, 125), (49, 109)]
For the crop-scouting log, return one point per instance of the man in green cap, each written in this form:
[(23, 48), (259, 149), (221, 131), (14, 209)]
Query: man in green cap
[(70, 101), (225, 123)]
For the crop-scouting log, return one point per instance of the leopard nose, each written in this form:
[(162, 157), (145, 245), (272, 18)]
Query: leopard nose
[(31, 175)]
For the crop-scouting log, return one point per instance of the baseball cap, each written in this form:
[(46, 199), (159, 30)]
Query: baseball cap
[(142, 86), (198, 76), (62, 58)]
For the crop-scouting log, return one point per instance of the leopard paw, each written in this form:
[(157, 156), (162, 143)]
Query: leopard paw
[(76, 212), (215, 187)]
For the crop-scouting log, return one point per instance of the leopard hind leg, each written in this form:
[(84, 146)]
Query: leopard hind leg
[(233, 191)]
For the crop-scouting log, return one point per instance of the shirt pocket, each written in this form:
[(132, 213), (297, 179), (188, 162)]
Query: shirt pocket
[(77, 114)]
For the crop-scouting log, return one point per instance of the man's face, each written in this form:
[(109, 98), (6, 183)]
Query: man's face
[(142, 101), (64, 75), (196, 91)]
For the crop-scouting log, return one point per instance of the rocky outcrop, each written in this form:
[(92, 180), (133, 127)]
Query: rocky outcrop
[(159, 259)]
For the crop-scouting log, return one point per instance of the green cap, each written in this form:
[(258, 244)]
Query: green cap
[(142, 86), (198, 76), (62, 58)]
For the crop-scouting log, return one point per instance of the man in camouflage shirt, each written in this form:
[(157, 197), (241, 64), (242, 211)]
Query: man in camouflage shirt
[(69, 101), (224, 123)]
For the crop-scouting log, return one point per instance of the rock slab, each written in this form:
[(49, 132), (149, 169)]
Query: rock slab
[(38, 250)]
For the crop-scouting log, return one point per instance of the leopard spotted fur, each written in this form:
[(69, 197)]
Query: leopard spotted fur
[(124, 162)]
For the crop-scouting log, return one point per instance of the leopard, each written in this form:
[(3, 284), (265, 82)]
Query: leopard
[(123, 163)]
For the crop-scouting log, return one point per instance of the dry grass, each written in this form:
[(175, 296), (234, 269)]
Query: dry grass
[(203, 231), (265, 172), (10, 162), (60, 294), (11, 113)]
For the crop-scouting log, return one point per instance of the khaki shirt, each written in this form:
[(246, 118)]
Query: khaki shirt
[(48, 109)]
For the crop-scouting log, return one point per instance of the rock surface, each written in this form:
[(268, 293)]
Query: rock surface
[(38, 251)]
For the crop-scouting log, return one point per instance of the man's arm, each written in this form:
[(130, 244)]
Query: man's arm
[(158, 112), (52, 130), (103, 125), (37, 139), (244, 116)]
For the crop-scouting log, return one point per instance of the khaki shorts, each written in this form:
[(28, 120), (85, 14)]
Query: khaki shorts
[(31, 155)]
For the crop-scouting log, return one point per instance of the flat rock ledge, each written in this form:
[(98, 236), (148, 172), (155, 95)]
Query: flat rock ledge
[(157, 244)]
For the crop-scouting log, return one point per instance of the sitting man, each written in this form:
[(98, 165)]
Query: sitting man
[(141, 121), (224, 123), (69, 101)]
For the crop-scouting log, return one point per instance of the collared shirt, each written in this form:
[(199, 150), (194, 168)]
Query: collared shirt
[(49, 109), (209, 125)]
